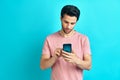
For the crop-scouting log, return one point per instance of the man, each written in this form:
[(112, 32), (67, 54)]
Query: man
[(65, 65)]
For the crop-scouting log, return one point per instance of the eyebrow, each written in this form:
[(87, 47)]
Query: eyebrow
[(70, 22)]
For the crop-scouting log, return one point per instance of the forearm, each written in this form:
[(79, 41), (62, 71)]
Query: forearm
[(83, 64), (46, 63)]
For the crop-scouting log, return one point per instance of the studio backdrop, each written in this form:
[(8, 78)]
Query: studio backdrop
[(24, 25)]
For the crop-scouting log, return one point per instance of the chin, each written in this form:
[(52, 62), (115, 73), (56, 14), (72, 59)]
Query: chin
[(67, 32)]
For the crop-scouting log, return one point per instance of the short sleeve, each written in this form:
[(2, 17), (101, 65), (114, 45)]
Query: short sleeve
[(46, 48), (86, 46)]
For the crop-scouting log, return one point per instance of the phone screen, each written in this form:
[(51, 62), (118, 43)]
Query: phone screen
[(67, 48)]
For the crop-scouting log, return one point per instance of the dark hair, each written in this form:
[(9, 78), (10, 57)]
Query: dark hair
[(70, 10)]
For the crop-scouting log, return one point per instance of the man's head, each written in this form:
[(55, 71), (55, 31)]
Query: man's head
[(69, 16), (70, 10)]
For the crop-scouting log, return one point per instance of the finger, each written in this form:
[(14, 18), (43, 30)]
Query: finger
[(64, 52), (59, 50), (68, 60), (66, 56), (58, 54)]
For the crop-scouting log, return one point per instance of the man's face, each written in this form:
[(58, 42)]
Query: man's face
[(68, 23)]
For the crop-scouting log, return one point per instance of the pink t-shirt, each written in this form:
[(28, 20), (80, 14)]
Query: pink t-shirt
[(63, 70)]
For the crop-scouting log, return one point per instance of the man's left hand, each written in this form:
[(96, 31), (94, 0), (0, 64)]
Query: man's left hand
[(70, 57)]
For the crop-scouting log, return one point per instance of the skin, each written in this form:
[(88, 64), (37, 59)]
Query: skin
[(68, 23)]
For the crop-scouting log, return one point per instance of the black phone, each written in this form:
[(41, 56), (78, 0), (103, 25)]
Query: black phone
[(67, 47)]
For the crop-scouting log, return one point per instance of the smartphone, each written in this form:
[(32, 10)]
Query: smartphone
[(67, 47)]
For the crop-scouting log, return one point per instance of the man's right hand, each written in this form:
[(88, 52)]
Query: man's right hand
[(47, 61), (58, 52)]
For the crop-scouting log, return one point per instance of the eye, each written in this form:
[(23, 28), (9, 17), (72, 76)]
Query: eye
[(65, 21), (72, 23)]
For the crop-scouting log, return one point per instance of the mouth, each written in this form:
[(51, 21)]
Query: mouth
[(67, 30)]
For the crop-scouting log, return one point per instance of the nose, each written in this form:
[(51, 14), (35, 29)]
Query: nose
[(68, 26)]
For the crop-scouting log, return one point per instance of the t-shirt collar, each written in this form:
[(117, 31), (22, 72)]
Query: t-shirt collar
[(62, 33)]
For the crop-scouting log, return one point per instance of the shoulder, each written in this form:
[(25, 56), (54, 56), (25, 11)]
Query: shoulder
[(53, 36), (82, 36)]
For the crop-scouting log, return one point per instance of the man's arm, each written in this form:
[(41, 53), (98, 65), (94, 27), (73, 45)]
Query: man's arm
[(47, 61), (73, 58), (85, 63)]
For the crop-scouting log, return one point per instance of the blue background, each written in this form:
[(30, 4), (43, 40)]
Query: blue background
[(24, 25)]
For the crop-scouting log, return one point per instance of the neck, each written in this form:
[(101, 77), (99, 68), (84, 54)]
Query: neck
[(66, 35)]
